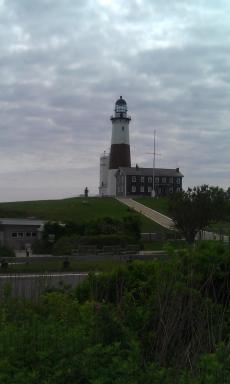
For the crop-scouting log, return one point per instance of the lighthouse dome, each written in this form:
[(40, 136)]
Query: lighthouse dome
[(121, 101), (121, 106)]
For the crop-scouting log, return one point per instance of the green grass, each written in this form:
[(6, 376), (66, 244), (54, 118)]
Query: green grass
[(160, 204), (161, 245), (76, 209), (222, 227)]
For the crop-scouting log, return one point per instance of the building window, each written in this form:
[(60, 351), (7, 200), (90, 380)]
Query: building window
[(142, 188), (164, 180), (133, 188), (149, 189), (159, 191), (156, 180), (150, 180), (134, 179), (34, 234), (17, 235), (171, 180), (178, 189), (170, 190), (142, 179), (178, 180)]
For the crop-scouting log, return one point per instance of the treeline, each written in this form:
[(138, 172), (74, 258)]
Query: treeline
[(63, 238), (153, 323)]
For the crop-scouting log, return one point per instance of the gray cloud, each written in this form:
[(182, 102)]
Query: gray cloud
[(64, 63)]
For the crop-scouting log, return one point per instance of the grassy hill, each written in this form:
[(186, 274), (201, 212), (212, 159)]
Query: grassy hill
[(76, 209)]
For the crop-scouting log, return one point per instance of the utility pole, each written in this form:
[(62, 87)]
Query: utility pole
[(153, 193), (154, 160)]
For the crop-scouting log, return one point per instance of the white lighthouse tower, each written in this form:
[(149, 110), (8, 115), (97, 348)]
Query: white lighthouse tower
[(120, 147), (119, 151)]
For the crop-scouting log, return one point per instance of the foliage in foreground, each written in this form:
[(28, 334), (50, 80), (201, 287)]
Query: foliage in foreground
[(153, 323)]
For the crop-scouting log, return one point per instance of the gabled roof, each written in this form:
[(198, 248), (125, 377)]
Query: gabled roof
[(138, 171)]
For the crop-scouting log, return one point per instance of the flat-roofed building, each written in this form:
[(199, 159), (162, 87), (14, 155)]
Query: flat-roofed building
[(20, 233)]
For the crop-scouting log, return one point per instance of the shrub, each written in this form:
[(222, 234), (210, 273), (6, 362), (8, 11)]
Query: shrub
[(6, 252), (66, 244)]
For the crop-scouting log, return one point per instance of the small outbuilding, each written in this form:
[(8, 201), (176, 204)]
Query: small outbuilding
[(20, 233)]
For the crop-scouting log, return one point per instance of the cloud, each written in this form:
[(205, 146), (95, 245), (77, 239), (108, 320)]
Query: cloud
[(64, 63)]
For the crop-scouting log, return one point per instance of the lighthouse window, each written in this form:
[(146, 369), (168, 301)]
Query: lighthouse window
[(123, 128)]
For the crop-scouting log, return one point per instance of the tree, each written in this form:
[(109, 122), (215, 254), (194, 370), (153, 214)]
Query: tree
[(193, 210)]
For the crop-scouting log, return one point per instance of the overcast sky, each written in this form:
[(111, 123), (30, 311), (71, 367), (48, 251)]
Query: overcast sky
[(65, 62)]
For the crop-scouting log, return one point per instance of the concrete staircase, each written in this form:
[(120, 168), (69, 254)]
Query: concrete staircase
[(159, 218)]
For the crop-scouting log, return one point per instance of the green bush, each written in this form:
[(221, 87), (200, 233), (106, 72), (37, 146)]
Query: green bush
[(6, 252), (66, 244), (42, 247)]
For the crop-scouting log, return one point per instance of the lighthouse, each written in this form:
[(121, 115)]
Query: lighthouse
[(120, 147), (119, 155)]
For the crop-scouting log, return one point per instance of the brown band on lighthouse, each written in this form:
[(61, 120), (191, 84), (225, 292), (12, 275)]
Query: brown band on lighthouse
[(119, 156)]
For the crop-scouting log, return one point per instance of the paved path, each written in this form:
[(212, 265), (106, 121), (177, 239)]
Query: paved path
[(159, 218)]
